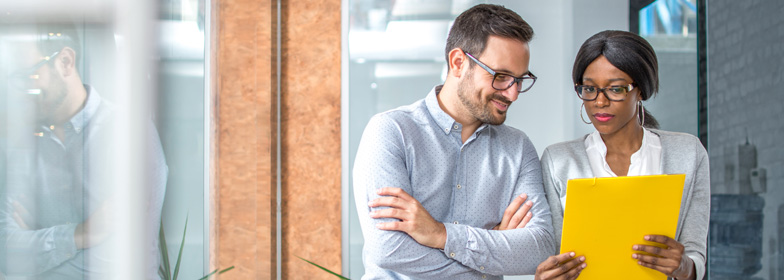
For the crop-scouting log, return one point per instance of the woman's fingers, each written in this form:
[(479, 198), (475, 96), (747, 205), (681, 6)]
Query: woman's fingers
[(563, 266)]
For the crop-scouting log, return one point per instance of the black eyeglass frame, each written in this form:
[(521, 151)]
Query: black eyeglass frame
[(515, 80), (31, 70), (603, 90), (24, 74)]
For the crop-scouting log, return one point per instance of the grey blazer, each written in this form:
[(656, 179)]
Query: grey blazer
[(681, 153)]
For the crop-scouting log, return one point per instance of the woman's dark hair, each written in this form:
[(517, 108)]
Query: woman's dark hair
[(629, 53), (472, 28)]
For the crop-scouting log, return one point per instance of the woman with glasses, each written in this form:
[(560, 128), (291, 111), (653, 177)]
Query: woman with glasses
[(614, 72)]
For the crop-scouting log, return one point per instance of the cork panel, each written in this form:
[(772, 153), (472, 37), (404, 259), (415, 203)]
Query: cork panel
[(310, 105), (246, 223)]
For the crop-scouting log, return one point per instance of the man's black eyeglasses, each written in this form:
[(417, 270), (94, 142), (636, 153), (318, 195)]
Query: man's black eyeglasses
[(503, 81)]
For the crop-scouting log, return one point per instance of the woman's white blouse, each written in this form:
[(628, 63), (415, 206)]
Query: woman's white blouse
[(645, 161)]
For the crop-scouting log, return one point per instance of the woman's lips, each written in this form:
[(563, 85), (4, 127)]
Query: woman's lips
[(603, 117)]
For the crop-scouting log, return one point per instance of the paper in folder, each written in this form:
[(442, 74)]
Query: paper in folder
[(605, 217)]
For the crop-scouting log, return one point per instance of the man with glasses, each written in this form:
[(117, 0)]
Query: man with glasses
[(440, 184), (57, 212)]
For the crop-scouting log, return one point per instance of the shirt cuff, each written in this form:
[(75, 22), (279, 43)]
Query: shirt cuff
[(462, 246), (64, 245)]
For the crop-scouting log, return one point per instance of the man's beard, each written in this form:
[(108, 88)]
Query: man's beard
[(51, 99), (477, 109)]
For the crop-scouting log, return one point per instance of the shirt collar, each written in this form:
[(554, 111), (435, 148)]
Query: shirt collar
[(443, 119), (445, 122), (83, 117), (594, 141)]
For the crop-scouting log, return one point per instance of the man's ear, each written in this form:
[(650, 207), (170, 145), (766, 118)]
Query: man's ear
[(65, 62), (457, 62)]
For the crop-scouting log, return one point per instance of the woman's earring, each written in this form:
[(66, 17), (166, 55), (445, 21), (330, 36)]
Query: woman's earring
[(641, 111), (581, 113)]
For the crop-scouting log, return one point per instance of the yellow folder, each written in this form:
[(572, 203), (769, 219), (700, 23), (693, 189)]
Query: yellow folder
[(605, 217)]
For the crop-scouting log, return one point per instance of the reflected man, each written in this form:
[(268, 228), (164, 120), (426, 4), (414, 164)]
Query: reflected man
[(432, 180), (58, 211)]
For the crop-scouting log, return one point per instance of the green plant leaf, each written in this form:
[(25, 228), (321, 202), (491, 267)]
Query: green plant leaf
[(214, 271), (165, 269), (222, 271), (324, 269), (182, 245)]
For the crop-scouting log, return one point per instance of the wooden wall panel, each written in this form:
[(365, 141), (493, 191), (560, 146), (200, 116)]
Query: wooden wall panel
[(310, 137), (246, 127)]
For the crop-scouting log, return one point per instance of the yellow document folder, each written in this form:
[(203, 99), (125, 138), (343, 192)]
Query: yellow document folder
[(605, 217)]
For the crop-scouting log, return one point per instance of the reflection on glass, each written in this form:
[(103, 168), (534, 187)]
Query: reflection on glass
[(670, 17), (671, 28), (180, 120), (58, 214)]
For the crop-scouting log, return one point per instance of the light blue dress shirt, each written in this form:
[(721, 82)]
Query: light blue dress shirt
[(467, 186), (61, 183)]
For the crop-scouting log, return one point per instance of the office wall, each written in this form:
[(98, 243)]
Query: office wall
[(246, 129), (745, 72), (248, 121)]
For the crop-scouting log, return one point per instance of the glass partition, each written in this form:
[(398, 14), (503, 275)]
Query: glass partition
[(102, 136), (181, 122), (671, 28), (744, 133)]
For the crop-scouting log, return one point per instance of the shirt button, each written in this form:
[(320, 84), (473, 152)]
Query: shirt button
[(455, 127), (481, 268), (452, 254), (484, 276), (446, 129), (456, 222), (459, 187)]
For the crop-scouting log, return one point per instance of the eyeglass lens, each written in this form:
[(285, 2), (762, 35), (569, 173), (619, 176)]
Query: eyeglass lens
[(614, 93), (503, 82)]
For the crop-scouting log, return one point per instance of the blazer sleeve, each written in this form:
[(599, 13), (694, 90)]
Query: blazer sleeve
[(554, 191), (694, 234)]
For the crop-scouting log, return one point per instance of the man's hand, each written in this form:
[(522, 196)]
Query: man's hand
[(22, 217), (516, 216), (560, 267), (414, 219), (670, 260), (97, 228)]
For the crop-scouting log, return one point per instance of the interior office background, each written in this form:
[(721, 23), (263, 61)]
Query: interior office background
[(227, 87)]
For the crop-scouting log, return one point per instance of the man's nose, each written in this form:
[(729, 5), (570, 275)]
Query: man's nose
[(512, 92)]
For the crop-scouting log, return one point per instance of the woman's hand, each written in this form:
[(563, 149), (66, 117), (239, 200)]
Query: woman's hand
[(560, 267), (670, 260)]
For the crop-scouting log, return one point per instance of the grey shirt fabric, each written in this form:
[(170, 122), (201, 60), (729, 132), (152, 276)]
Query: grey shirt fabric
[(60, 184), (681, 154), (466, 186)]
